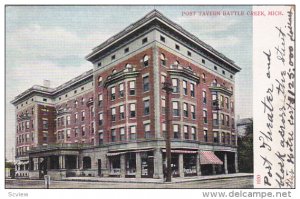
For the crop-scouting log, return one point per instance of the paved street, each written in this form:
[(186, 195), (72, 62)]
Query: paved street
[(240, 182)]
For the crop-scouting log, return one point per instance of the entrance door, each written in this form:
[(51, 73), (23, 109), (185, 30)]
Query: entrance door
[(99, 167)]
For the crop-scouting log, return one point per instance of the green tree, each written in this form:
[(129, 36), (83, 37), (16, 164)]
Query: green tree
[(245, 150)]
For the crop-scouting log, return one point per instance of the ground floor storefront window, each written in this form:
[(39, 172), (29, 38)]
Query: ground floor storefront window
[(115, 165), (175, 165), (147, 166), (190, 164), (130, 165)]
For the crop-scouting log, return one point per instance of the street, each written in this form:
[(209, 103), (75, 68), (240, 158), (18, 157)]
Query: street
[(241, 182)]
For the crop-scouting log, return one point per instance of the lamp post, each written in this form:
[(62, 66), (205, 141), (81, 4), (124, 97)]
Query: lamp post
[(167, 86)]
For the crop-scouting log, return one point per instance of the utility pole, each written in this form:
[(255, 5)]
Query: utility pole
[(167, 86)]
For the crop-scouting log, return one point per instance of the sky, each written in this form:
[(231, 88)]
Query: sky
[(50, 42)]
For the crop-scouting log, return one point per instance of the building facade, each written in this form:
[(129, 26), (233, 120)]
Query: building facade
[(111, 120)]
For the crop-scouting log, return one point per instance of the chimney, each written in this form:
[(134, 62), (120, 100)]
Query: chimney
[(46, 83)]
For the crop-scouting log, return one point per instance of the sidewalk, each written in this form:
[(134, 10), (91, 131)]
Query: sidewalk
[(158, 181)]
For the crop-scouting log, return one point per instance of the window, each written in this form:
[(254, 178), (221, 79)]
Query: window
[(147, 131), (215, 67), (227, 102), (92, 128), (231, 106), (186, 132), (146, 83), (203, 78), (215, 82), (175, 85), (192, 87), (114, 71), (146, 60), (99, 81), (75, 103), (113, 93), (99, 64), (132, 88), (100, 98), (222, 101), (216, 136), (193, 112), (164, 130), (163, 78), (121, 90), (203, 61), (132, 110), (100, 138), (75, 91), (113, 114), (223, 72), (82, 101), (175, 109), (205, 116), (44, 99), (163, 59), (177, 47), (122, 134), (45, 137), (145, 40), (184, 85), (215, 102), (100, 119), (126, 50), (231, 76), (222, 118), (83, 130), (76, 132), (162, 39), (113, 135), (45, 124), (204, 97), (27, 124), (227, 120), (68, 120), (189, 53), (193, 133), (215, 119), (185, 110), (223, 137), (113, 57), (82, 115), (68, 133), (122, 112), (176, 131), (132, 130), (146, 107), (232, 123), (205, 135), (163, 105)]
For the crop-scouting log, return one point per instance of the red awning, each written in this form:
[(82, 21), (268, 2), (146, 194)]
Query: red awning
[(208, 157), (181, 151)]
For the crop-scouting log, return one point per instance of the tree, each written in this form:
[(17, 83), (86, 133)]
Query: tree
[(245, 150)]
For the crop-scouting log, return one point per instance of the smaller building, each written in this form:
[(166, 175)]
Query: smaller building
[(242, 126)]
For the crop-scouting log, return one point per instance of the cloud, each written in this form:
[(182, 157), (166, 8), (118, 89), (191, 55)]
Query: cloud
[(50, 43)]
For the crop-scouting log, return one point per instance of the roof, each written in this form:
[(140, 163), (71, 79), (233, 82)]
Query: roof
[(155, 14), (51, 91), (244, 121)]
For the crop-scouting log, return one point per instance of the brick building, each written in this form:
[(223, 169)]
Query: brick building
[(111, 120)]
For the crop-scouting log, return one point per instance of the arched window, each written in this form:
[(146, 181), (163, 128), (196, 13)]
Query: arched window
[(146, 60), (114, 71), (215, 82), (163, 59), (203, 78), (128, 66), (99, 81), (176, 62), (86, 162)]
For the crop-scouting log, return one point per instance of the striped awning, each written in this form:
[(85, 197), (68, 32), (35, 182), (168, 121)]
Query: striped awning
[(208, 157), (181, 151)]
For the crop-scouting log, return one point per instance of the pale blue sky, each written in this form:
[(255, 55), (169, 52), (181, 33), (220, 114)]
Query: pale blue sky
[(50, 42)]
